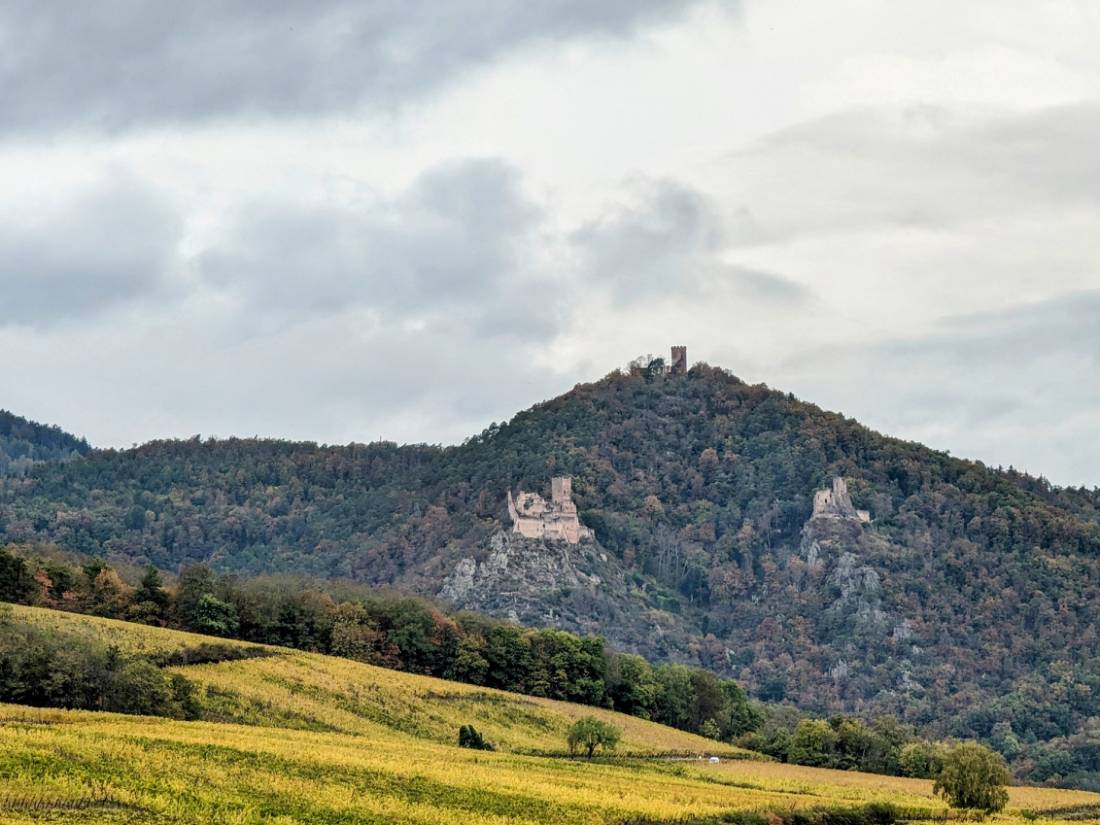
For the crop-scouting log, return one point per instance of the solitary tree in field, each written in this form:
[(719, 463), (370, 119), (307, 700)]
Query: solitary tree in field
[(589, 733), (974, 776)]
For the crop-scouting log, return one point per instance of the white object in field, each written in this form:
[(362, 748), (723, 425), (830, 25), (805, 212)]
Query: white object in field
[(714, 760)]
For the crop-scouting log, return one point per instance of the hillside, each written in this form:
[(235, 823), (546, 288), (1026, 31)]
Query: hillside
[(309, 738), (951, 608), (23, 443), (310, 691)]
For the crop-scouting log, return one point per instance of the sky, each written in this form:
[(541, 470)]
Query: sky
[(344, 221)]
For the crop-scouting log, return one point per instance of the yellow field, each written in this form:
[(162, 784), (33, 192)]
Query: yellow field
[(325, 740)]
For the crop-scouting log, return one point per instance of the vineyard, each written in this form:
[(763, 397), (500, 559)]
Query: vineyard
[(295, 737)]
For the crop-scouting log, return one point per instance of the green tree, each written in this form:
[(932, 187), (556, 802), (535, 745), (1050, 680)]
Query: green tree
[(213, 616), (354, 634), (196, 581), (589, 734), (974, 776), (922, 759), (631, 685), (812, 743), (710, 729), (149, 601), (17, 583)]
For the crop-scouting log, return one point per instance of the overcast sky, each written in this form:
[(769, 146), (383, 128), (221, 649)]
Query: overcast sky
[(342, 220)]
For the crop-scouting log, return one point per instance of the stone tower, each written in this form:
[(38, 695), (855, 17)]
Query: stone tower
[(679, 363), (561, 490)]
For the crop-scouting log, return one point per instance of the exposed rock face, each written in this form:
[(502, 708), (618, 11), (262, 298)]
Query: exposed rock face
[(544, 583), (835, 546)]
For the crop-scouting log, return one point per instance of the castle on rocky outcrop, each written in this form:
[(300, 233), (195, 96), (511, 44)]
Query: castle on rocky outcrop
[(837, 503), (536, 518)]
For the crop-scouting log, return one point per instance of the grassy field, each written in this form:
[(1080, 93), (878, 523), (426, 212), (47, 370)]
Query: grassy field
[(315, 739)]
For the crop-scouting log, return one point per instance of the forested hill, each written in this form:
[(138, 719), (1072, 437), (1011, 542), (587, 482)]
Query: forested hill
[(967, 604), (23, 442)]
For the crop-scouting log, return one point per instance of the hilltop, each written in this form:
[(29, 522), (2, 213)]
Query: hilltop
[(23, 443), (951, 607)]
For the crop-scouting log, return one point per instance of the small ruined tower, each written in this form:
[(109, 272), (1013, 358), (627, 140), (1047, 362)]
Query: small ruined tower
[(837, 503), (679, 363)]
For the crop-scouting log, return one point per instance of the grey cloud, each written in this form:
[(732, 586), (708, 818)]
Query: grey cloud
[(107, 246), (455, 249), (1064, 328), (124, 63), (669, 240), (924, 168), (1019, 386)]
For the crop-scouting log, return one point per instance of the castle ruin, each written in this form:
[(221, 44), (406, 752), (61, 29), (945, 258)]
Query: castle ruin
[(556, 520), (837, 503), (679, 363), (676, 365)]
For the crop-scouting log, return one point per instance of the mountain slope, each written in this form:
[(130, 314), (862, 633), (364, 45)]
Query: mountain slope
[(23, 443), (952, 608)]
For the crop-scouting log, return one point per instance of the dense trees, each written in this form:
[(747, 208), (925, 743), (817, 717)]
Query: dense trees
[(52, 669)]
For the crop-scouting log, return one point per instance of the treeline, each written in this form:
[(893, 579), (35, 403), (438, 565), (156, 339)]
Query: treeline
[(846, 743), (392, 631)]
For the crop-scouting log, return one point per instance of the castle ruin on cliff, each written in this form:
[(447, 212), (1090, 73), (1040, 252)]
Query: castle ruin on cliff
[(837, 503), (556, 520)]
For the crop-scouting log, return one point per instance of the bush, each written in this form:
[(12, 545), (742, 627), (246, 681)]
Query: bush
[(923, 760), (469, 737), (45, 668), (973, 776), (589, 734)]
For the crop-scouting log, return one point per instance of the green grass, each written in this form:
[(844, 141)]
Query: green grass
[(293, 737)]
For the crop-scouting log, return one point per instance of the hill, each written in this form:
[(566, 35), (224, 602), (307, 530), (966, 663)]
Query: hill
[(309, 738), (951, 608), (24, 443)]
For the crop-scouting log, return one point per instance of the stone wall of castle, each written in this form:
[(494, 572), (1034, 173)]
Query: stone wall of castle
[(837, 503), (555, 520)]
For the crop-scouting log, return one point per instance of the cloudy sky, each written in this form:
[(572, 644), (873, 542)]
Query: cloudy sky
[(342, 220)]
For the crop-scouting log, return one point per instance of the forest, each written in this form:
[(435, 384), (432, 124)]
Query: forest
[(949, 612)]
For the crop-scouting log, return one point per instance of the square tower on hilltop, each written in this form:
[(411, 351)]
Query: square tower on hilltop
[(679, 363)]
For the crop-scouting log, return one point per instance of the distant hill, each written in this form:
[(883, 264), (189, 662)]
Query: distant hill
[(23, 443), (966, 605)]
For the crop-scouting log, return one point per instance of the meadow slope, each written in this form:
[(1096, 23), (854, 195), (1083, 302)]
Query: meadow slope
[(310, 738)]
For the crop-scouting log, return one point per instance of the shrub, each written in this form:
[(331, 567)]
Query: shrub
[(974, 776), (589, 734), (469, 737)]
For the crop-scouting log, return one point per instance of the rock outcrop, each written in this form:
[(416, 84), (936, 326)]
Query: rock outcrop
[(580, 588)]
